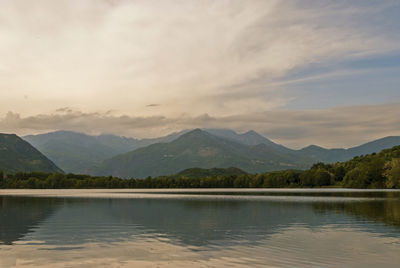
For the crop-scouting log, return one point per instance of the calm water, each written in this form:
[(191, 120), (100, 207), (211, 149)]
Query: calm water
[(199, 228)]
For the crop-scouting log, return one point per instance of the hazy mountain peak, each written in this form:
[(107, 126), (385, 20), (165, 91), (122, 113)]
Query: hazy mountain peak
[(196, 130), (251, 132), (313, 147)]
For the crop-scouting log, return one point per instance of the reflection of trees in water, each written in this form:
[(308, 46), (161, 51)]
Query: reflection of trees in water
[(20, 215), (191, 222), (380, 211), (187, 222)]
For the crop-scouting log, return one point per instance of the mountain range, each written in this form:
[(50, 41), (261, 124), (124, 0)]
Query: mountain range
[(199, 148), (17, 155)]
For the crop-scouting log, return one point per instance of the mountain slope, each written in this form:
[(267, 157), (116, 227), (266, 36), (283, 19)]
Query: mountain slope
[(18, 155), (198, 149), (339, 155), (320, 154), (374, 146)]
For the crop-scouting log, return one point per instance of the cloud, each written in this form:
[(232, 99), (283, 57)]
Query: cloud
[(156, 67), (336, 127), (188, 56)]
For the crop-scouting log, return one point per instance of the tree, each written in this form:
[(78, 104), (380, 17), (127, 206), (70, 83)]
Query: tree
[(322, 178), (392, 173), (339, 172), (356, 178)]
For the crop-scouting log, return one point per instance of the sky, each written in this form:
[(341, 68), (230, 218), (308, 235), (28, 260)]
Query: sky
[(298, 72)]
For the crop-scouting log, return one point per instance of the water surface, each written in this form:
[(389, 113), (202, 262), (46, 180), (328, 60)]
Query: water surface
[(200, 228)]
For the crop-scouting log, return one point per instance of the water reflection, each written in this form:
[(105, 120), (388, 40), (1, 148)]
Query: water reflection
[(383, 211), (205, 226), (20, 215)]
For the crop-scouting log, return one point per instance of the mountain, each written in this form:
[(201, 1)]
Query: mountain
[(18, 155), (199, 149), (339, 155), (75, 152)]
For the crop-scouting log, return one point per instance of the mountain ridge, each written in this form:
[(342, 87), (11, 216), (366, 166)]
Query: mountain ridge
[(79, 153)]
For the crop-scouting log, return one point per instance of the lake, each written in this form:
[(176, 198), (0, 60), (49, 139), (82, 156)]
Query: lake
[(200, 228)]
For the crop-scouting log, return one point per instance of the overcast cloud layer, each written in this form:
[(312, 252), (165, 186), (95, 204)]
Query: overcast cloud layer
[(288, 69)]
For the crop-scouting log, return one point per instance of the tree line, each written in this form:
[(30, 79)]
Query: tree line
[(380, 170)]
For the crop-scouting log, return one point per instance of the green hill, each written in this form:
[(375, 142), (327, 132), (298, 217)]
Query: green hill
[(18, 155), (198, 149)]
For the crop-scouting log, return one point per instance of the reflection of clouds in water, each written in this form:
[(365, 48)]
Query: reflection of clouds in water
[(302, 247)]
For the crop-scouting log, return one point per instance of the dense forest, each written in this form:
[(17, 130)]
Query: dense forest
[(380, 170)]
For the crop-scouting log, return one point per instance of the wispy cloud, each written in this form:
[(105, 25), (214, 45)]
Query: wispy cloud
[(189, 56), (181, 64)]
